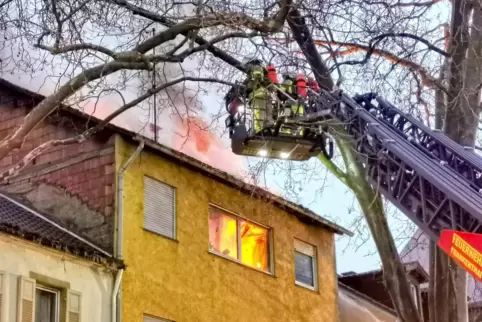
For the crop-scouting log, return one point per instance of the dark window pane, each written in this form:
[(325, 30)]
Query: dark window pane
[(44, 306), (304, 269)]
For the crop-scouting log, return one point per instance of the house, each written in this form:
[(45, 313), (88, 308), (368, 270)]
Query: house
[(371, 285), (48, 273), (198, 243)]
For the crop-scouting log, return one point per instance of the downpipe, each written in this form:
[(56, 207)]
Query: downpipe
[(116, 316), (118, 279)]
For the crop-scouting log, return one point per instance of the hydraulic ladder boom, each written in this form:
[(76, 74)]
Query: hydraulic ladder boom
[(433, 180), (431, 194), (433, 142)]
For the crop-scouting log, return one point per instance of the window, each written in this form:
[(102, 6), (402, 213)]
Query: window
[(159, 208), (37, 303), (239, 239), (46, 304), (305, 265)]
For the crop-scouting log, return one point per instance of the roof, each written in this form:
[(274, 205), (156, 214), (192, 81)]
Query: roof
[(304, 214), (411, 267), (366, 298), (21, 221)]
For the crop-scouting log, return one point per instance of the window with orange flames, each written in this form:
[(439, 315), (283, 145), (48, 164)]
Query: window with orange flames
[(239, 239)]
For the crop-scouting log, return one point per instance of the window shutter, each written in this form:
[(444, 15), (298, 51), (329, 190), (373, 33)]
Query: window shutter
[(74, 305), (3, 294), (304, 248), (159, 208), (26, 300)]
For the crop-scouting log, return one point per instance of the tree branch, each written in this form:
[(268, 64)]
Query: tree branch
[(303, 37), (236, 19), (426, 79), (216, 52), (75, 47), (333, 168), (180, 57), (411, 36)]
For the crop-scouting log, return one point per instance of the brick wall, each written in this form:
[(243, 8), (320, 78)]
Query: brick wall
[(74, 183)]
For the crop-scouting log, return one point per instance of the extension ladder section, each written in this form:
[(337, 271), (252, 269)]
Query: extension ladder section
[(433, 142), (425, 174)]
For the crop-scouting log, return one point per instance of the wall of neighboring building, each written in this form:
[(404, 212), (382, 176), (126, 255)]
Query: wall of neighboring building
[(56, 270), (357, 308), (180, 280), (417, 250), (74, 183)]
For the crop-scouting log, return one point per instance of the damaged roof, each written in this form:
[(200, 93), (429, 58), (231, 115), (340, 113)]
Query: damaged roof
[(302, 213), (21, 221)]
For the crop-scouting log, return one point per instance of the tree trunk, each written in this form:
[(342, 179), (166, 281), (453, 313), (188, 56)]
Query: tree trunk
[(449, 285), (370, 201), (394, 274)]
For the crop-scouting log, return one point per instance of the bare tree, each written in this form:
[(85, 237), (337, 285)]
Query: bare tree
[(387, 45)]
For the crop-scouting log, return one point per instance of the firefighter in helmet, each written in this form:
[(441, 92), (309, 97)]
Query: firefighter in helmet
[(289, 88), (302, 94), (258, 94)]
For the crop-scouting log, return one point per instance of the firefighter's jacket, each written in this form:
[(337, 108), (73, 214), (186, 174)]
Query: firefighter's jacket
[(257, 78)]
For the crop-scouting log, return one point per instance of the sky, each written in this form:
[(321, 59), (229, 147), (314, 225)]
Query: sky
[(324, 194)]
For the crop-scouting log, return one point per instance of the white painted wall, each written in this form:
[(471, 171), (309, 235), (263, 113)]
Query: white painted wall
[(18, 257)]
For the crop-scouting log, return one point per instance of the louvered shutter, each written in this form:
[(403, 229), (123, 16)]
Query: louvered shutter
[(304, 248), (26, 300), (3, 294), (159, 208), (74, 306)]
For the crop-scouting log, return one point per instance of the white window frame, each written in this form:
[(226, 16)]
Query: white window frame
[(314, 266), (415, 294), (239, 218), (57, 299)]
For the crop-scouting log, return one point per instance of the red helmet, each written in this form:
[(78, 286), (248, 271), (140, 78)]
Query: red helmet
[(300, 77), (270, 68)]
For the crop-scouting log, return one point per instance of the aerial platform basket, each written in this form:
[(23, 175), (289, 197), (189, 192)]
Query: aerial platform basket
[(284, 147)]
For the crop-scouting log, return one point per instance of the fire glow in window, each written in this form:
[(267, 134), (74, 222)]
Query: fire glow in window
[(239, 239)]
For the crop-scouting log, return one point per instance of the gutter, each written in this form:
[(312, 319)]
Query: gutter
[(116, 316)]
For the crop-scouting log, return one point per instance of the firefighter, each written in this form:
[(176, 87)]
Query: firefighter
[(288, 101), (273, 77), (313, 85), (314, 89), (258, 94), (288, 87), (273, 91), (302, 94)]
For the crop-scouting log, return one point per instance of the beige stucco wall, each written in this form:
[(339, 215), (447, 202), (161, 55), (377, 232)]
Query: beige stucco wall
[(18, 257)]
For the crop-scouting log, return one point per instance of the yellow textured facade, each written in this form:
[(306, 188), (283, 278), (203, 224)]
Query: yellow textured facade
[(181, 281)]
